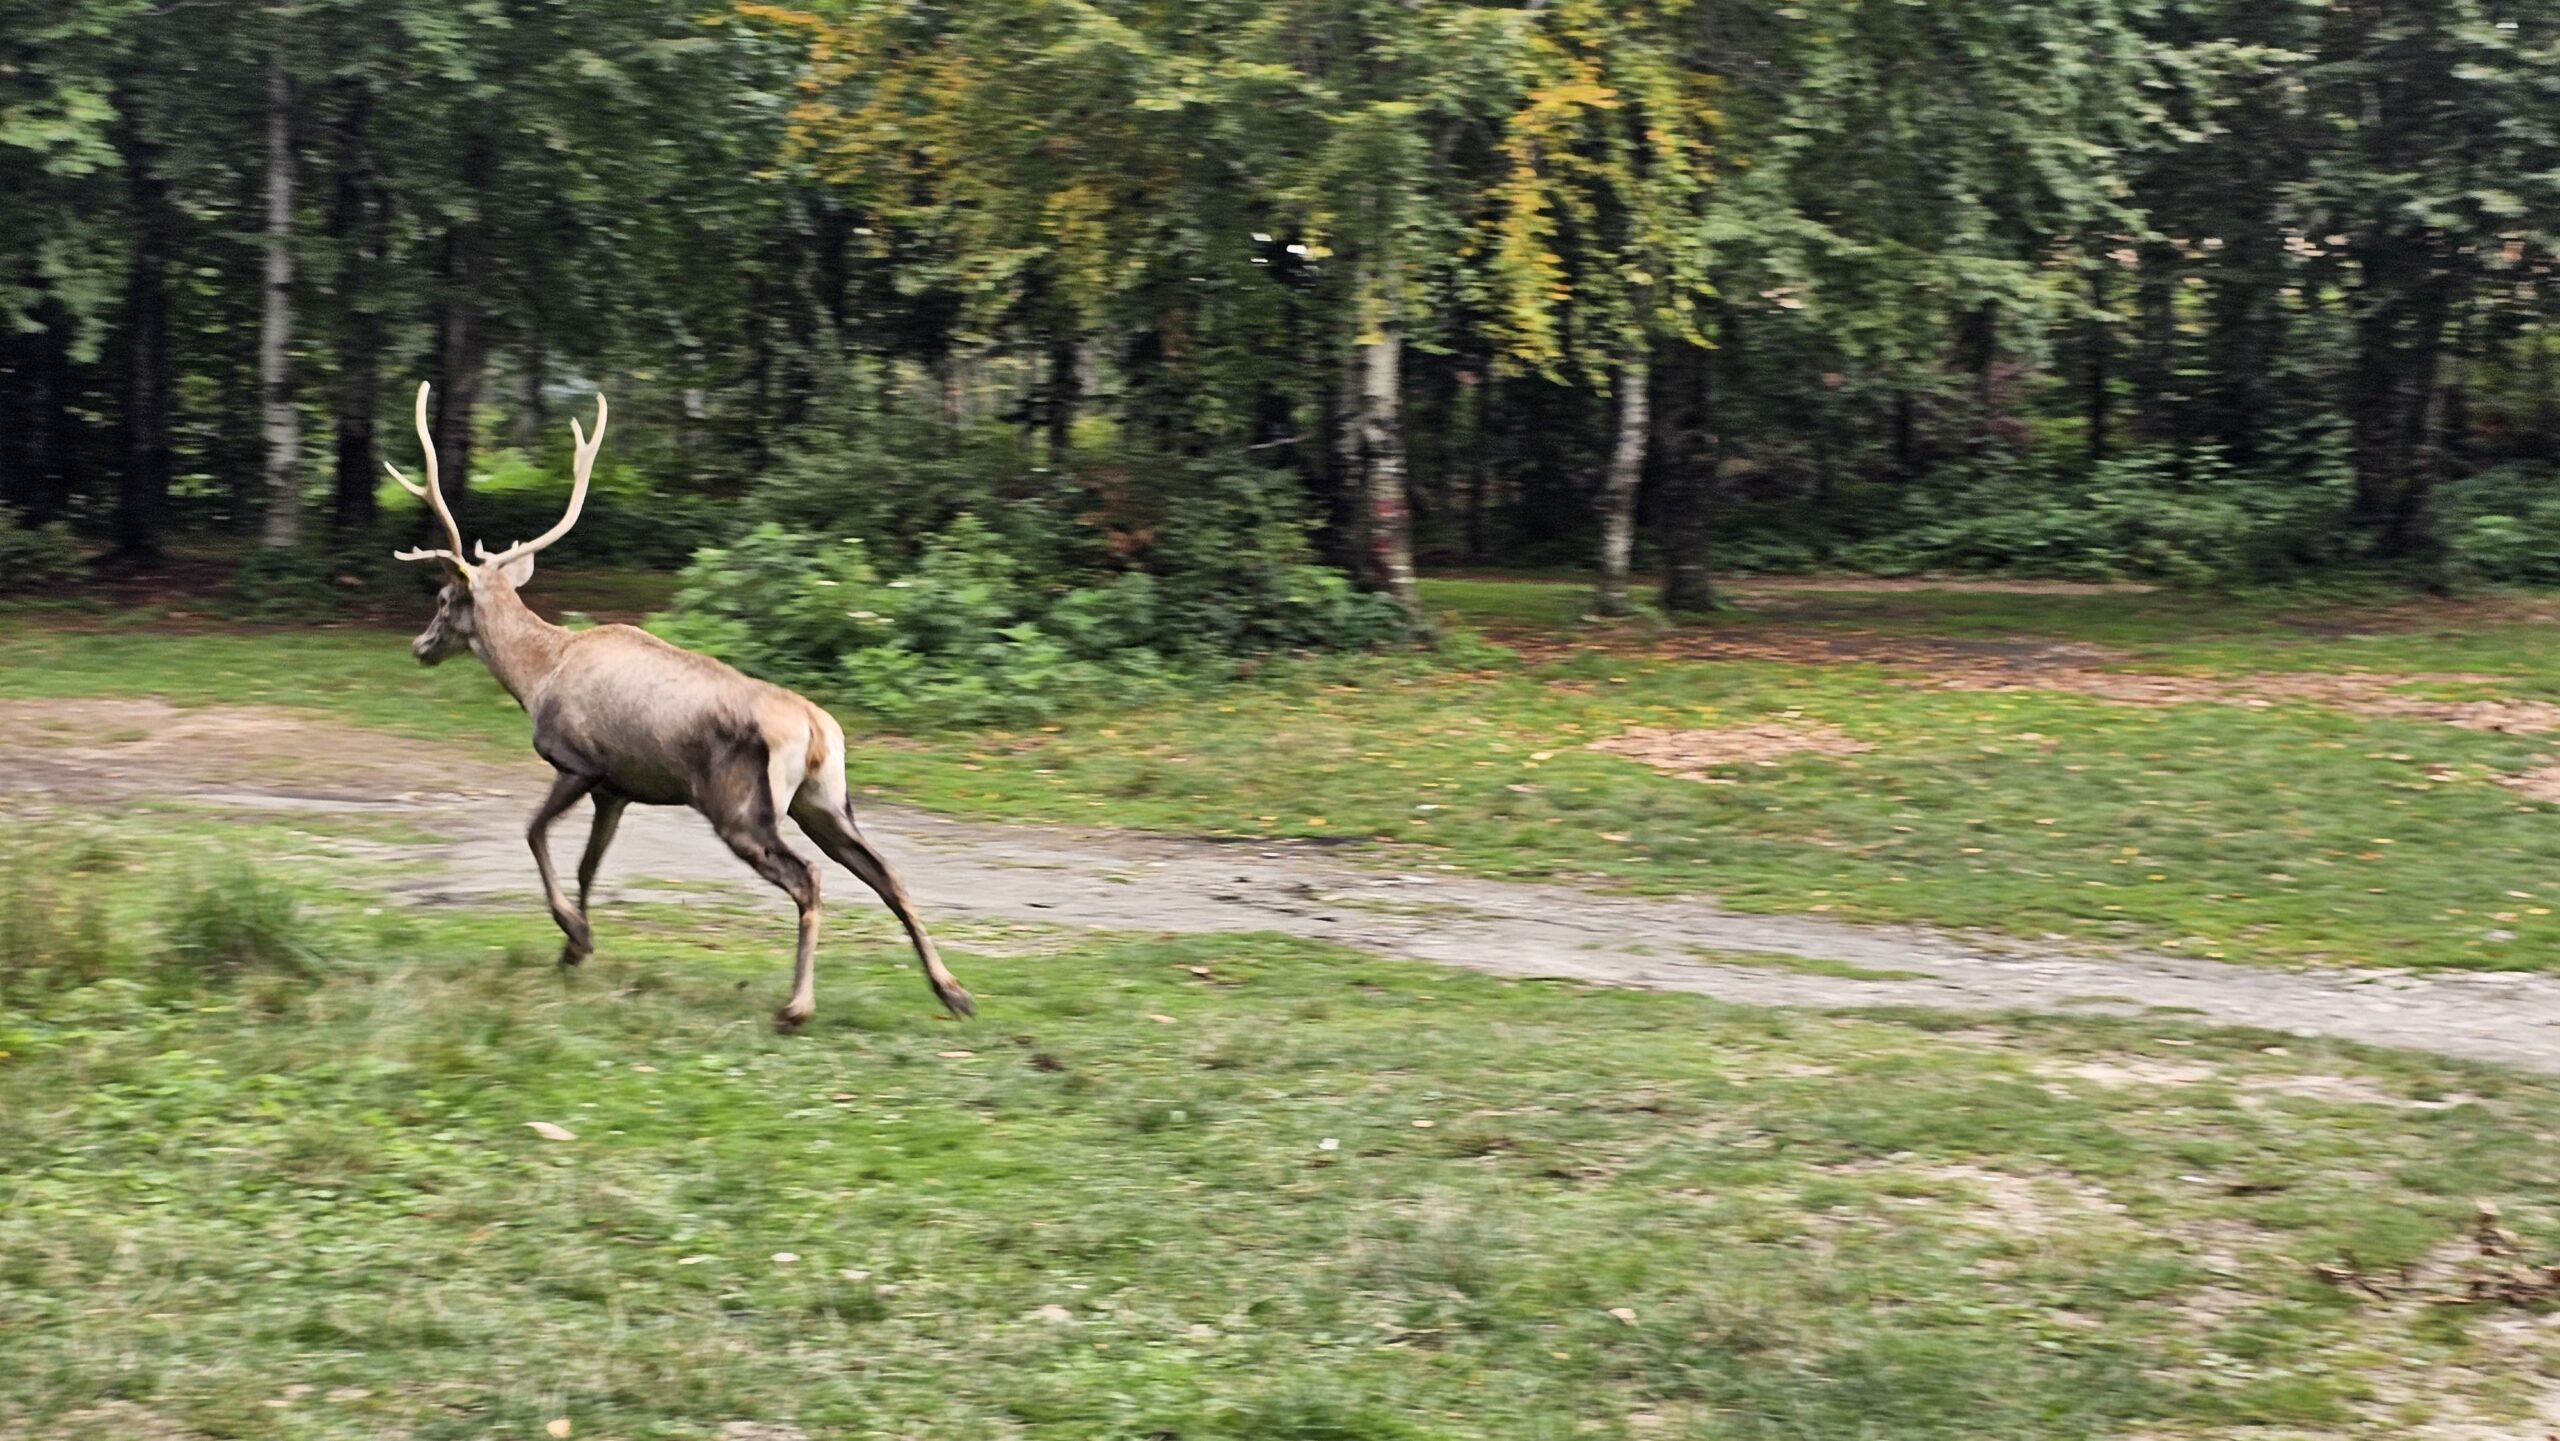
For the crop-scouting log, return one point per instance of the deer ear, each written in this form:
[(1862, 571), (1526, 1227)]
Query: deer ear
[(518, 570)]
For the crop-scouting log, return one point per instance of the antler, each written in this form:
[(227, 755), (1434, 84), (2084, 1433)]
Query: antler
[(583, 467), (432, 493)]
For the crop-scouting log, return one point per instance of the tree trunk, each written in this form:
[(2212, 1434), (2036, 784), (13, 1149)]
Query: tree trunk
[(534, 374), (1385, 517), (39, 456), (1689, 478), (2101, 347), (2156, 347), (142, 501), (281, 420), (1066, 388), (358, 222), (1625, 477), (1979, 336), (462, 344)]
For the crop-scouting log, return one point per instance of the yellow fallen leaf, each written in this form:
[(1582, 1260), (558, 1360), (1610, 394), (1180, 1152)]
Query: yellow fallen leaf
[(558, 1427), (550, 1132)]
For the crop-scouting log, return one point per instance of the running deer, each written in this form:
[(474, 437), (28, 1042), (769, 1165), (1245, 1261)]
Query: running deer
[(623, 716)]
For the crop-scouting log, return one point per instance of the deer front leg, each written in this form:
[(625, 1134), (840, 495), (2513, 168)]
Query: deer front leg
[(566, 789)]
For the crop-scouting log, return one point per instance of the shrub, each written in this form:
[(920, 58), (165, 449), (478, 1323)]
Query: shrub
[(1114, 581), (49, 940), (623, 524), (2504, 525), (238, 921), (2143, 515), (38, 557)]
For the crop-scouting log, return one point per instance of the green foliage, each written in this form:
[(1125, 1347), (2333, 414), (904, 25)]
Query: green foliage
[(234, 922), (2146, 515), (972, 635), (2504, 525), (53, 927), (38, 558)]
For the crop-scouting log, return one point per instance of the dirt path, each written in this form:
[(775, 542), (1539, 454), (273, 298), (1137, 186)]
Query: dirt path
[(270, 760)]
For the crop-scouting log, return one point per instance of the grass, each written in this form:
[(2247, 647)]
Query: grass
[(1801, 965), (268, 1162), (1306, 1194), (2292, 833)]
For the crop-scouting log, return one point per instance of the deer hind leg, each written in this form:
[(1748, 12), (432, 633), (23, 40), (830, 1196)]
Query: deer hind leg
[(566, 788), (739, 801), (609, 807), (831, 826)]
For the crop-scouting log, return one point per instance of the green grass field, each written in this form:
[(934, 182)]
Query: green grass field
[(269, 1161), (275, 1172), (2292, 832)]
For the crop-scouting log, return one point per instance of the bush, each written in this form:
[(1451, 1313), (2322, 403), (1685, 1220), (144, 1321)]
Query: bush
[(2503, 525), (2144, 515), (49, 939), (235, 923), (622, 525), (972, 635), (37, 558)]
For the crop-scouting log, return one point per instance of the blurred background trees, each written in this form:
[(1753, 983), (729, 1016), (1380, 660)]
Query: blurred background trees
[(1221, 294)]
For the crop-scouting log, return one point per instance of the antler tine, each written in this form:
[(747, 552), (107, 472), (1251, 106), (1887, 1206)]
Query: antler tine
[(582, 468), (432, 492)]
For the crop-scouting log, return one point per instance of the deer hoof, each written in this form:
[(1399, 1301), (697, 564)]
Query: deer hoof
[(793, 1016), (956, 1000)]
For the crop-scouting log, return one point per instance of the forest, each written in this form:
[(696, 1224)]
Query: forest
[(1193, 328)]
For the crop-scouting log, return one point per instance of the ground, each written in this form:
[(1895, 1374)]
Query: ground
[(326, 1147)]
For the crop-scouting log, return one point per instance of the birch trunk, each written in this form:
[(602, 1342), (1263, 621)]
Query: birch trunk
[(1618, 492), (282, 422), (1385, 515)]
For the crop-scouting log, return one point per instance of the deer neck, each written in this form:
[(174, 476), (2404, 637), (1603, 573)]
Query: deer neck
[(519, 647)]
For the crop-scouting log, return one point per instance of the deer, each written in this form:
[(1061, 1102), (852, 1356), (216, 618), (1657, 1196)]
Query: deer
[(624, 717)]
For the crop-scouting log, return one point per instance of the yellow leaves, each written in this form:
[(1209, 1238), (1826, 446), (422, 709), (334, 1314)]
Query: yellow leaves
[(1573, 94)]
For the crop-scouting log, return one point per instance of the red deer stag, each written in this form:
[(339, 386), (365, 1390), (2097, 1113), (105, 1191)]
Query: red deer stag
[(623, 716)]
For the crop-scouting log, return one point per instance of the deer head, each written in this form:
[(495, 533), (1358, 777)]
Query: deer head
[(489, 576)]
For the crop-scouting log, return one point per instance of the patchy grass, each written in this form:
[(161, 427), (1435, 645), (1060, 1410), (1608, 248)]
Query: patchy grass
[(2285, 832), (1801, 965), (1315, 1195)]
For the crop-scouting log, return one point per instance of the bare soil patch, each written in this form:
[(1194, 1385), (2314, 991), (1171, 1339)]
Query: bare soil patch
[(1696, 754), (2542, 783)]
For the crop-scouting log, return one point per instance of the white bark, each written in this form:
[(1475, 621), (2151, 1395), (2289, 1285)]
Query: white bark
[(282, 423), (1385, 515), (1618, 492)]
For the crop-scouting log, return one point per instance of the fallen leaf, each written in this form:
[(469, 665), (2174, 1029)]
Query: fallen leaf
[(785, 1258), (550, 1132), (559, 1427), (1329, 1144), (1055, 1314), (691, 1260), (955, 1055), (1160, 1020), (1624, 1313)]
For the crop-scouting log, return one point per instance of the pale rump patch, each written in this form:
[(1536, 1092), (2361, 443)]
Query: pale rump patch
[(1691, 755)]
